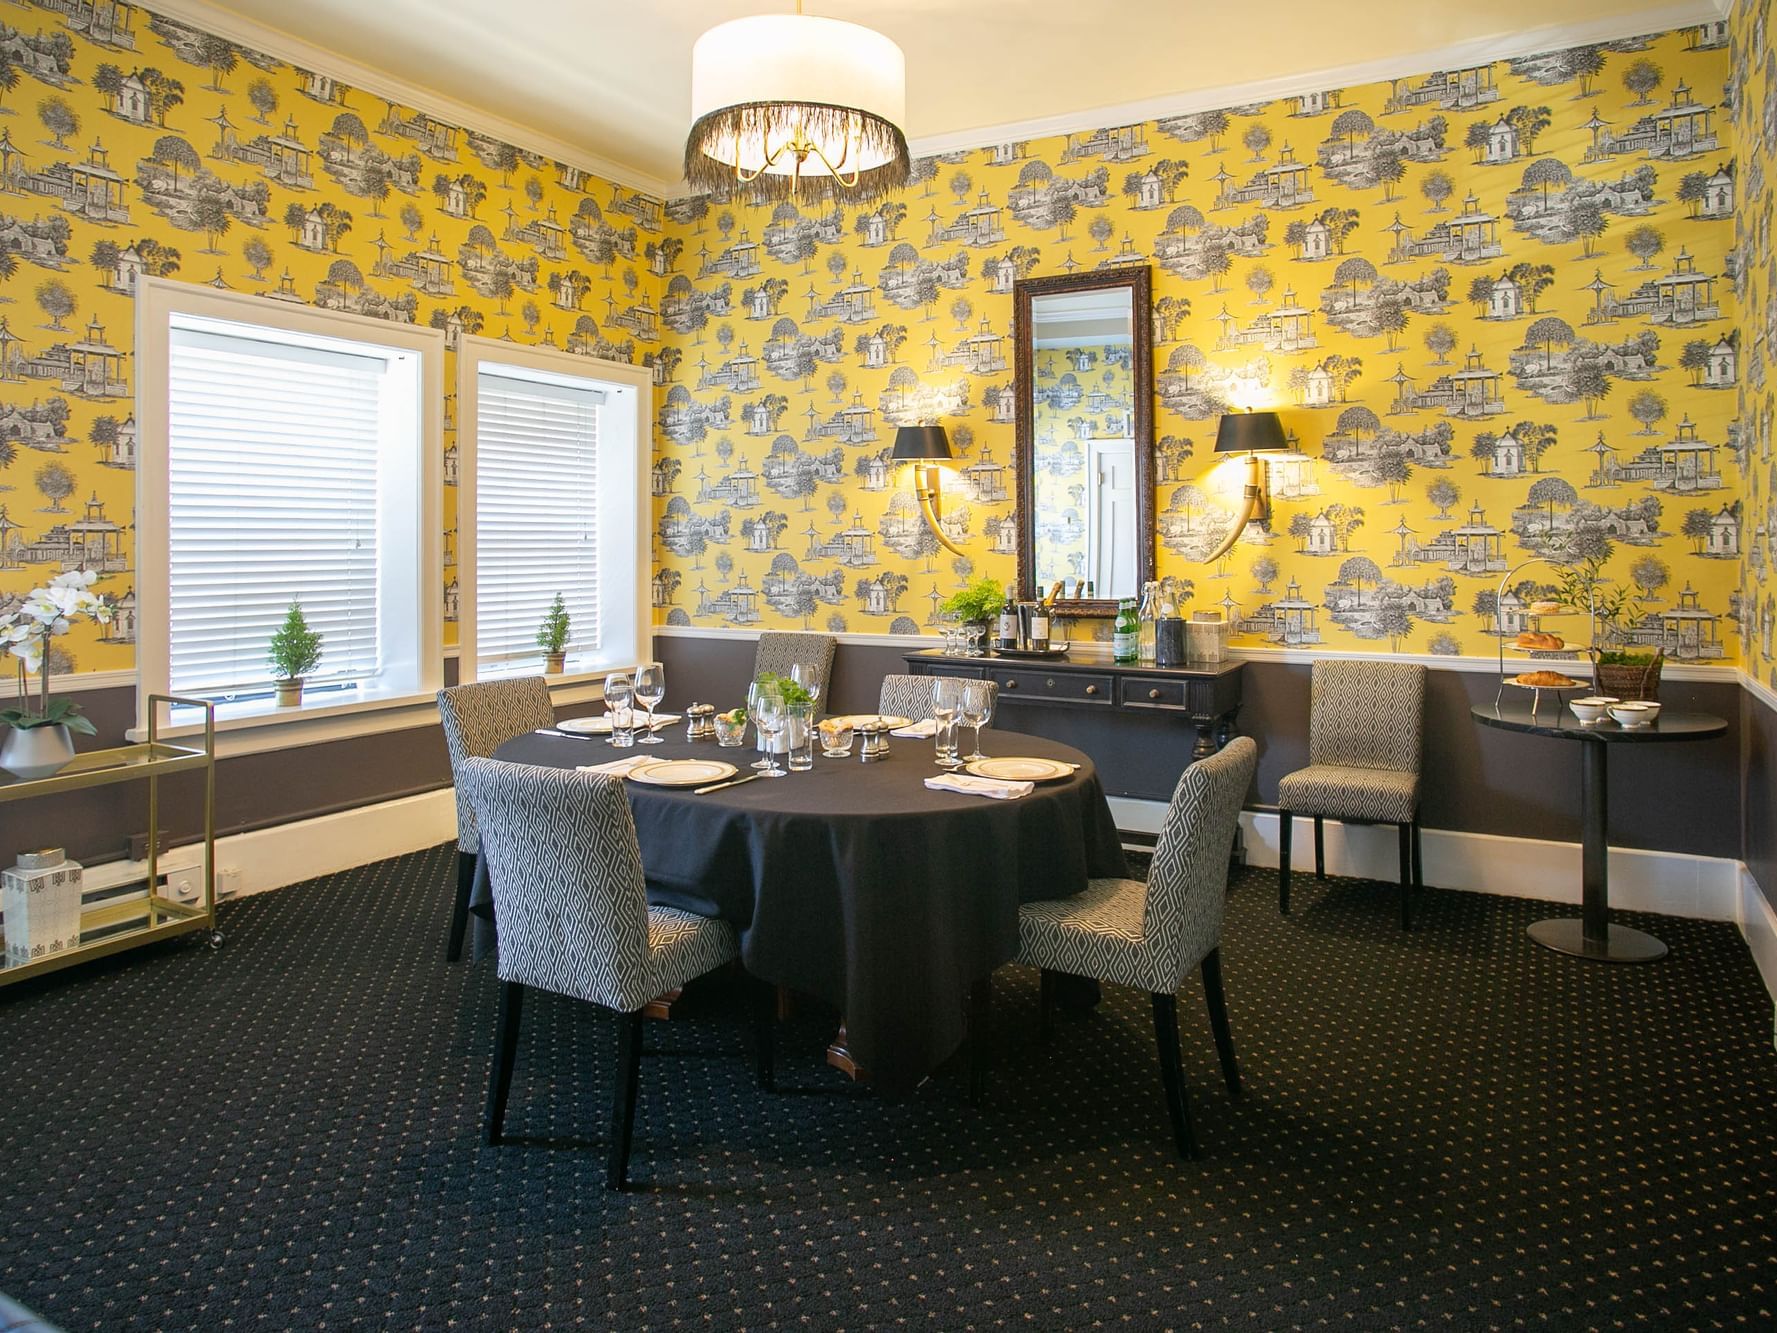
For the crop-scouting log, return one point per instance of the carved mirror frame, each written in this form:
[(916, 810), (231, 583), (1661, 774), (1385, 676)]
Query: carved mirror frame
[(1138, 279)]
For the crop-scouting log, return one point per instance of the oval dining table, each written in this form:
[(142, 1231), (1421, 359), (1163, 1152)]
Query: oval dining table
[(856, 883)]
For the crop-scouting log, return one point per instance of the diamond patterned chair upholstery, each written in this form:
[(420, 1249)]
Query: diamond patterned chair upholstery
[(478, 719), (566, 873), (1364, 740), (778, 651), (1152, 936), (911, 697)]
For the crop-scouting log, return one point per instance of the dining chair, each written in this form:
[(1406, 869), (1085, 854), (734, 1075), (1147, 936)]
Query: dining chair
[(778, 651), (1151, 936), (478, 719), (1364, 736), (566, 872), (911, 696)]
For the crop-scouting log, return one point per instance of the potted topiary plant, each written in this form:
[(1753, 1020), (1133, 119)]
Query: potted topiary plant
[(39, 740), (977, 604), (552, 637), (1619, 671), (294, 652)]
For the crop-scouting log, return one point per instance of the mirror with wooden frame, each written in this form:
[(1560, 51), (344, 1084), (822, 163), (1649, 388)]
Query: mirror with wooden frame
[(1085, 442)]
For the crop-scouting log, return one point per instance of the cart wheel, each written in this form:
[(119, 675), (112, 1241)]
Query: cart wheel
[(215, 939)]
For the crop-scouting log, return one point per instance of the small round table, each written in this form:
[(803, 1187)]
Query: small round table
[(1592, 935)]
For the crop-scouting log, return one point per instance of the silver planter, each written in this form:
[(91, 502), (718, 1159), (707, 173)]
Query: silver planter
[(36, 752)]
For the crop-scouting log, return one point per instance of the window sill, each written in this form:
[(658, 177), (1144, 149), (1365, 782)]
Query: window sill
[(254, 729)]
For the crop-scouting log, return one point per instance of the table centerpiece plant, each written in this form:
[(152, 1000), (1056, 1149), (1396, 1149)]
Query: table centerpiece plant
[(295, 651), (39, 741), (552, 637), (793, 693), (1619, 669)]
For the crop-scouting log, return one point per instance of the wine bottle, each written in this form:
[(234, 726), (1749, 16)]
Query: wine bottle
[(1039, 628), (1125, 637), (1008, 632)]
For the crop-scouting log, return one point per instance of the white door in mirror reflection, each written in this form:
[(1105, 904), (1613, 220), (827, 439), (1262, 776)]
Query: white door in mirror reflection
[(1112, 521)]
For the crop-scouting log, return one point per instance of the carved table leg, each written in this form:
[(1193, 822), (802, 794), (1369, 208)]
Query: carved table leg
[(840, 1057), (661, 1006)]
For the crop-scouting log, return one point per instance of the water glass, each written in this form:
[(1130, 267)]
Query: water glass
[(946, 702), (757, 690), (649, 690), (836, 738), (976, 711), (618, 698), (799, 729)]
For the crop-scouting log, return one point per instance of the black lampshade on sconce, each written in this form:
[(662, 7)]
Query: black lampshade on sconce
[(922, 444), (926, 447), (1249, 433)]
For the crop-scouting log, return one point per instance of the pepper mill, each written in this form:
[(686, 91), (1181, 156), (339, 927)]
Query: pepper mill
[(700, 722), (873, 742)]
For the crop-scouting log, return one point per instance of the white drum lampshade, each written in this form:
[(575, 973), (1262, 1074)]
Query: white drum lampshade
[(789, 106)]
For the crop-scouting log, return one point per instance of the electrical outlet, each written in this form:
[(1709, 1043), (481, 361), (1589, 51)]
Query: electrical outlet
[(184, 885), (228, 883)]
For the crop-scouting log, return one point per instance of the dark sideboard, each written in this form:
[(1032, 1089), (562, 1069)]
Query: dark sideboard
[(1142, 725)]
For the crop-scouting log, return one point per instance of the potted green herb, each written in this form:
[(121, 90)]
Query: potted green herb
[(793, 694), (977, 604), (295, 651), (1617, 670), (552, 637), (39, 740)]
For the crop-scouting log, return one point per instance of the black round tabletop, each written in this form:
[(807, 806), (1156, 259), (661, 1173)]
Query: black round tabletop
[(1554, 718)]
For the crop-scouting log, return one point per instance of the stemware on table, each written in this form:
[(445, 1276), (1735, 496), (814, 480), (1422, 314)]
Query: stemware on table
[(770, 717), (754, 692), (649, 689), (977, 711)]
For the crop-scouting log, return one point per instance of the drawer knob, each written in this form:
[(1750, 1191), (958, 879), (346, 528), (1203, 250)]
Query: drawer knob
[(1153, 694), (1092, 689), (1011, 685), (1050, 683)]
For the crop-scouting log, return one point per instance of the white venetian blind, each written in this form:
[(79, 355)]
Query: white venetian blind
[(536, 513), (273, 497)]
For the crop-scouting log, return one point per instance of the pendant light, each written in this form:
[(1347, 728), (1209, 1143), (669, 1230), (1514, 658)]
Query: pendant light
[(790, 106)]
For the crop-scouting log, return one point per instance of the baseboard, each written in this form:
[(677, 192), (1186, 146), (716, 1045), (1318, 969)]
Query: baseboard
[(1670, 883), (1758, 926)]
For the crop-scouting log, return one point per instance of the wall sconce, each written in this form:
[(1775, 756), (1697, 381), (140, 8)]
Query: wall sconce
[(927, 447), (1250, 433)]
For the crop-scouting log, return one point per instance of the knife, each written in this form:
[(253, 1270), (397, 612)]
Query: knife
[(732, 782)]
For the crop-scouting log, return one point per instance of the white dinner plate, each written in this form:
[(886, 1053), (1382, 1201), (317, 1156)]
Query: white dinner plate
[(1020, 770), (888, 720), (601, 725), (683, 772)]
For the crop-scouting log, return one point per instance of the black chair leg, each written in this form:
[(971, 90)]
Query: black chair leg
[(1320, 847), (1045, 1002), (1406, 840), (1285, 827), (1418, 861), (1218, 1018), (459, 911), (1172, 1075), (980, 1036), (623, 1098), (764, 1021), (505, 1052)]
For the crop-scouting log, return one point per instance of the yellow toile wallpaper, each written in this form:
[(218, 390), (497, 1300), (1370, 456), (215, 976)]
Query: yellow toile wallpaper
[(1493, 304), (131, 143), (1755, 142)]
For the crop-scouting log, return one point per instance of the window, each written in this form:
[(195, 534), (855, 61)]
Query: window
[(289, 455), (550, 501)]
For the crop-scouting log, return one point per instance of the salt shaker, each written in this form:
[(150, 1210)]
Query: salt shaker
[(700, 722)]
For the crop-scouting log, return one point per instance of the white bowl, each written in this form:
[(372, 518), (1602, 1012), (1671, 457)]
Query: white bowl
[(1590, 710), (1635, 713)]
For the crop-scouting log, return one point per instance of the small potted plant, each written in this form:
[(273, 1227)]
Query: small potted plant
[(552, 637), (295, 651), (793, 695), (1618, 671), (39, 741), (977, 604)]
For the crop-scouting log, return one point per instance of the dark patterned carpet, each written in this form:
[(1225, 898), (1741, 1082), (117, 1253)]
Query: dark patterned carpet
[(1450, 1128)]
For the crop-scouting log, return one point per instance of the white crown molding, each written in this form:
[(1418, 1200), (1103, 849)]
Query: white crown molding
[(865, 640), (1477, 51), (213, 18)]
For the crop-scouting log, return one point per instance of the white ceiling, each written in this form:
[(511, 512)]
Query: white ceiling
[(610, 79)]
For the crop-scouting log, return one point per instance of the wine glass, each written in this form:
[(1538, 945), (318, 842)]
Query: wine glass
[(650, 689), (770, 718), (946, 701), (977, 711), (809, 679), (754, 692)]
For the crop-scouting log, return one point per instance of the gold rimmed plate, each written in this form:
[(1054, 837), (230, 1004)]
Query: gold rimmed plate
[(1016, 769), (888, 721), (683, 772), (601, 725)]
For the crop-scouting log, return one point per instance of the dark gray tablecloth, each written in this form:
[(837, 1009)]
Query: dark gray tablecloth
[(857, 883)]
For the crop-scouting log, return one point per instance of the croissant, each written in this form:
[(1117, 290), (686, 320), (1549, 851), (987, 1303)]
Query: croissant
[(1547, 680), (1536, 641)]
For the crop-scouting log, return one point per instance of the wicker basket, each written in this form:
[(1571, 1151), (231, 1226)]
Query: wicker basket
[(1628, 680)]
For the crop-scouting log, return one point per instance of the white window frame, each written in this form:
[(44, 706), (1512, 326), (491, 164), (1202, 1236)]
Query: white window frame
[(158, 301), (625, 441)]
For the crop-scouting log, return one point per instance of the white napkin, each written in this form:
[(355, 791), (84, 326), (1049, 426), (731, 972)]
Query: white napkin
[(970, 785), (621, 767), (918, 730)]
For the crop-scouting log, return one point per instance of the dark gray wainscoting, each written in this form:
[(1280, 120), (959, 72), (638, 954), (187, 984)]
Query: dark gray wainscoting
[(1478, 780), (1758, 730)]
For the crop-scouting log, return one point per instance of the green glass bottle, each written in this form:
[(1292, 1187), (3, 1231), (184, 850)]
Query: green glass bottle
[(1126, 635)]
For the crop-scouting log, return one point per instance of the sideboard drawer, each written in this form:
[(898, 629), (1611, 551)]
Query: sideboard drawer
[(1070, 687), (1155, 692)]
